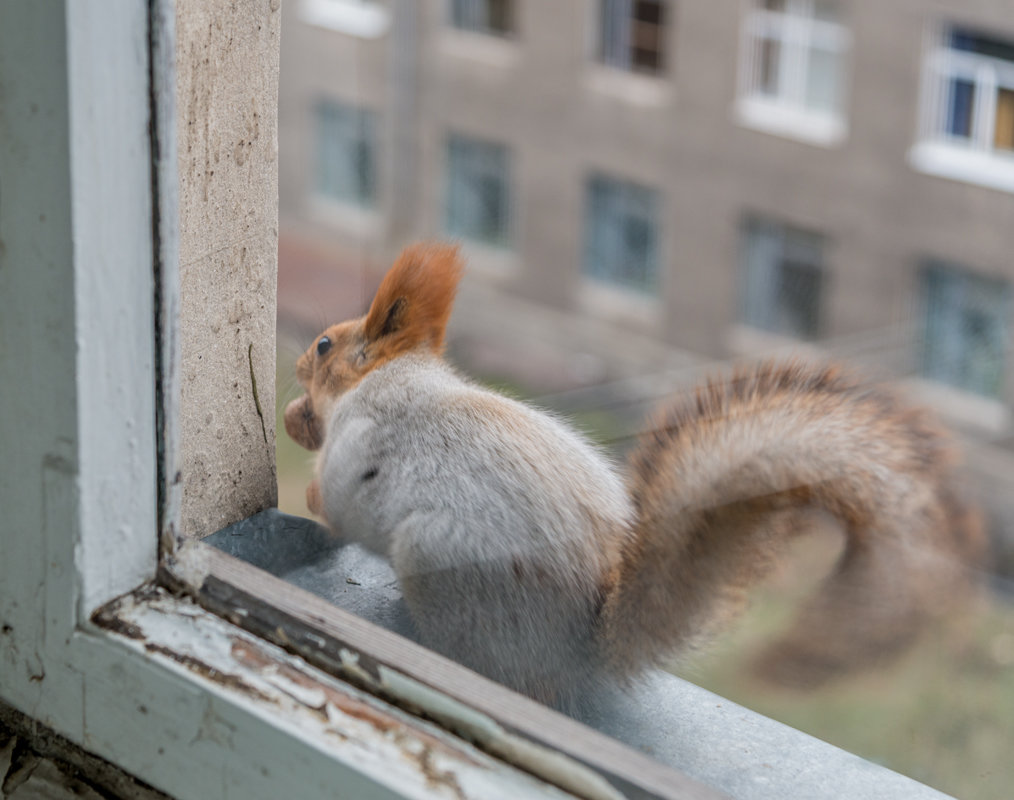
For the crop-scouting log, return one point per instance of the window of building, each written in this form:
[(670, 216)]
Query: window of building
[(632, 35), (345, 153), (494, 17), (621, 234), (363, 18), (968, 108), (792, 70), (478, 190), (783, 278), (965, 342)]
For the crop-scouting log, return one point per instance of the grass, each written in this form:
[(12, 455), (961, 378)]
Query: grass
[(942, 714)]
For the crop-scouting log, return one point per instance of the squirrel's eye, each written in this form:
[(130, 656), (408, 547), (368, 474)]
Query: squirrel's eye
[(323, 345)]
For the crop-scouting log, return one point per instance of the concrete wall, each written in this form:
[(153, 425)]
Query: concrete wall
[(227, 66)]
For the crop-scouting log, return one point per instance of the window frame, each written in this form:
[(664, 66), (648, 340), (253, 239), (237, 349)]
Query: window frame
[(365, 19), (786, 113), (935, 151)]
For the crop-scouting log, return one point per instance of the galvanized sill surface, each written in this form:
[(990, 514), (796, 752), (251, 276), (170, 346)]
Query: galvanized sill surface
[(284, 580), (369, 650)]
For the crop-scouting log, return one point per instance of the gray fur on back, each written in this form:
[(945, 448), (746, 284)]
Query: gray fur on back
[(500, 522)]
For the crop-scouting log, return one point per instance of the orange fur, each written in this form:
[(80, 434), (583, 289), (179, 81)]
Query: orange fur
[(410, 311), (414, 301)]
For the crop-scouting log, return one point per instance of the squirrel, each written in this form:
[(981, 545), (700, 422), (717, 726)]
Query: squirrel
[(523, 553)]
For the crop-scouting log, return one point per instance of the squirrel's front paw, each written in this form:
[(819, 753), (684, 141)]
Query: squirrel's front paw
[(314, 501), (302, 424)]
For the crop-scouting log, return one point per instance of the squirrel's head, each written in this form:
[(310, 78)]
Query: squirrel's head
[(409, 314)]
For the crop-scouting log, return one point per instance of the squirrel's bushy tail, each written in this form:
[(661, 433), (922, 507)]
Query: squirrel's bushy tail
[(716, 482)]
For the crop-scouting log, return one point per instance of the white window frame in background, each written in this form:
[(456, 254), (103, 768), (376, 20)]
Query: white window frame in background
[(787, 113), (366, 19), (936, 152)]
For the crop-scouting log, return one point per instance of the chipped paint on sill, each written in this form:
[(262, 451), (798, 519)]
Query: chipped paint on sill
[(553, 766), (414, 757)]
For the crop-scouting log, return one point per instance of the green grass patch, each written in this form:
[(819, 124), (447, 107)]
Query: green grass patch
[(942, 713)]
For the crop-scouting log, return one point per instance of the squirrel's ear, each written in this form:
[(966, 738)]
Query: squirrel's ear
[(414, 300)]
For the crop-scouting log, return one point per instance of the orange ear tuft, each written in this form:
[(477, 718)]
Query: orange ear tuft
[(414, 301)]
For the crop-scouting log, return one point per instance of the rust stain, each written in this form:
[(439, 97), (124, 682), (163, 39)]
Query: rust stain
[(435, 777), (107, 619), (247, 654), (254, 658), (226, 679)]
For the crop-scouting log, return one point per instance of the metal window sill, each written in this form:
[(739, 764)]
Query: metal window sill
[(724, 746)]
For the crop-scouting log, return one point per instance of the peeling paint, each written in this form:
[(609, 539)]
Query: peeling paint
[(219, 593), (559, 769), (107, 619), (190, 560), (401, 749), (316, 696), (201, 668), (350, 666), (313, 697)]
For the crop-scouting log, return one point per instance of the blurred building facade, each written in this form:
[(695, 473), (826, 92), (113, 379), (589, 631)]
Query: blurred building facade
[(717, 179)]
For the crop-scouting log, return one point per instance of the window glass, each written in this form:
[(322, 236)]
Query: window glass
[(632, 34), (478, 190), (983, 45), (822, 81), (770, 61), (623, 237), (483, 16), (783, 277), (345, 157), (960, 112), (620, 234), (966, 329), (1003, 138)]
